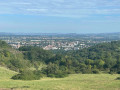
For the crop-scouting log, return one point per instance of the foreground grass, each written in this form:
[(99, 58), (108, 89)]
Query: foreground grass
[(73, 82)]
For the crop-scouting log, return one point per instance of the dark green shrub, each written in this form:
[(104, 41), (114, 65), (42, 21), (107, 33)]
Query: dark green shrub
[(118, 78), (61, 75), (86, 71), (27, 75), (95, 71), (118, 72), (51, 75)]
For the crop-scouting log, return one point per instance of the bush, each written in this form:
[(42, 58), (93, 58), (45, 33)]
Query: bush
[(118, 78), (95, 71), (118, 72), (86, 71), (27, 75), (51, 75), (61, 75)]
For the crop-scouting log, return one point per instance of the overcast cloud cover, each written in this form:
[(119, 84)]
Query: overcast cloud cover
[(97, 10)]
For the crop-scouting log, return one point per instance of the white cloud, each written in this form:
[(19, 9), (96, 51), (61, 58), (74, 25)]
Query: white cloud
[(20, 3), (37, 10), (73, 8), (108, 11)]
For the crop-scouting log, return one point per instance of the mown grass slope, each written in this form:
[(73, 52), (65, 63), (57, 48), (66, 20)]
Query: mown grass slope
[(72, 82)]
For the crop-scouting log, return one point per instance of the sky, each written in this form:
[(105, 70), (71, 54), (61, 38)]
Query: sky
[(60, 16)]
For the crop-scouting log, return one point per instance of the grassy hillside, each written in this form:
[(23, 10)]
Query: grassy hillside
[(5, 73), (72, 82)]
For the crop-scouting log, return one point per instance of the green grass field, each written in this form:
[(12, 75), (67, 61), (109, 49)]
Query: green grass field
[(72, 82)]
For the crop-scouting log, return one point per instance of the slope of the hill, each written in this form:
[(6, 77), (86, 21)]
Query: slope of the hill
[(6, 74), (11, 58)]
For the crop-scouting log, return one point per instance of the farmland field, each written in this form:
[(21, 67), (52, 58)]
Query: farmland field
[(72, 82)]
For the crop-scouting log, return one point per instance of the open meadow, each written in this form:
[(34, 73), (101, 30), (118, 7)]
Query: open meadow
[(72, 82)]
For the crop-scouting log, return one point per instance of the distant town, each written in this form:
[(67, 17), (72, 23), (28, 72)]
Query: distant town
[(58, 41)]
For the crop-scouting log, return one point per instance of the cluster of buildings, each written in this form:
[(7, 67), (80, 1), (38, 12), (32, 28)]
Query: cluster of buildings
[(50, 43)]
